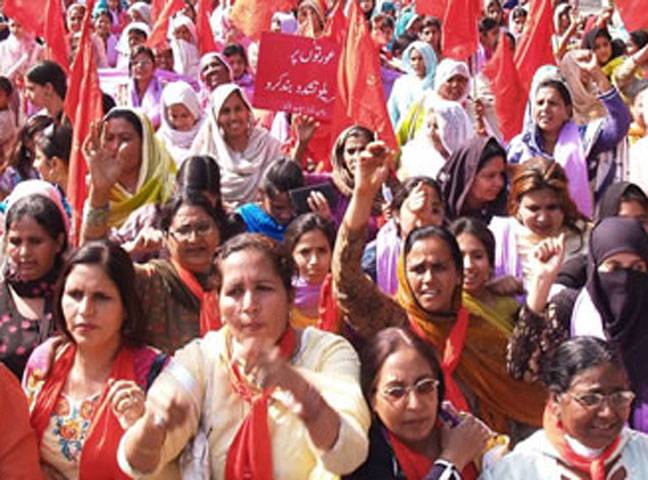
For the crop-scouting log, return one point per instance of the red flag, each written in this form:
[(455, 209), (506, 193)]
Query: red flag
[(156, 8), (253, 17), (510, 97), (83, 106), (44, 21), (460, 34), (360, 98), (634, 13), (535, 49), (206, 42), (435, 8), (161, 26)]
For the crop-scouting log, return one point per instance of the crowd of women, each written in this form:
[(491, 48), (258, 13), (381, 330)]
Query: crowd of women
[(237, 305)]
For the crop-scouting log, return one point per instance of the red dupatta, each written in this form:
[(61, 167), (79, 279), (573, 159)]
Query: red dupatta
[(209, 314), (329, 317), (99, 453), (250, 454), (416, 466), (451, 356), (595, 467)]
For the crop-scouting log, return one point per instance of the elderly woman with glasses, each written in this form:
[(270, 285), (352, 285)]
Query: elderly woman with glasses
[(402, 382), (584, 433)]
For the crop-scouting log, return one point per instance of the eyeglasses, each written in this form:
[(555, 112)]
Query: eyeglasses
[(593, 401), (183, 234), (396, 394)]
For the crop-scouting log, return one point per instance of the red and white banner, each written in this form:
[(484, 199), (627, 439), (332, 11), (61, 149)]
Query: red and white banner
[(296, 74)]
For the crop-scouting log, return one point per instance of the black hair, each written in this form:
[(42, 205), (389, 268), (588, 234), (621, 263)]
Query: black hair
[(118, 266), (519, 12), (387, 342), (44, 212), (128, 115), (430, 21), (6, 85), (560, 87), (195, 199), (282, 176), (21, 157), (487, 24), (634, 193), (400, 44), (574, 356), (107, 103), (49, 72), (639, 38), (235, 49), (102, 12), (403, 190), (307, 223), (491, 150), (277, 253), (56, 141), (479, 230), (139, 50), (199, 173), (432, 231)]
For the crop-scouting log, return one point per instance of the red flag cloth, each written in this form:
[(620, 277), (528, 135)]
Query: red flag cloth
[(98, 459), (435, 8), (250, 453), (460, 34), (44, 21), (534, 49), (83, 106), (329, 313), (161, 25), (360, 97), (634, 13), (510, 97), (206, 42), (156, 8), (253, 17)]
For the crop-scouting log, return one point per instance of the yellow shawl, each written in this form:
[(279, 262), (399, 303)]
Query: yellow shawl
[(482, 368), (156, 179)]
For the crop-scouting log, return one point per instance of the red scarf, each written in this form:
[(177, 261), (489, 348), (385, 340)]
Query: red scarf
[(99, 454), (209, 314), (250, 454), (329, 318), (451, 357), (594, 467), (416, 466)]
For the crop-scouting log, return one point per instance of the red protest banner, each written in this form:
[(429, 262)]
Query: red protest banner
[(296, 74)]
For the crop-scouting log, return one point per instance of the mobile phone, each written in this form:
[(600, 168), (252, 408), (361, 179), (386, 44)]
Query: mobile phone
[(299, 196)]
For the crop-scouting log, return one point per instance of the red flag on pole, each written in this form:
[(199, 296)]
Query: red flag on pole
[(360, 97), (44, 21), (161, 25), (460, 34), (253, 17), (83, 106), (435, 8), (206, 42), (510, 96), (535, 49), (634, 13)]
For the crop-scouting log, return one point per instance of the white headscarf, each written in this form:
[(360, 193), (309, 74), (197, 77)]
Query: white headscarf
[(144, 9), (241, 172), (447, 69), (122, 45), (186, 58), (420, 157), (177, 142)]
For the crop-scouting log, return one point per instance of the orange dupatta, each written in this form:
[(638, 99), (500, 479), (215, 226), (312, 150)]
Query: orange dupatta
[(595, 467), (250, 454), (481, 364), (209, 314), (99, 453)]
